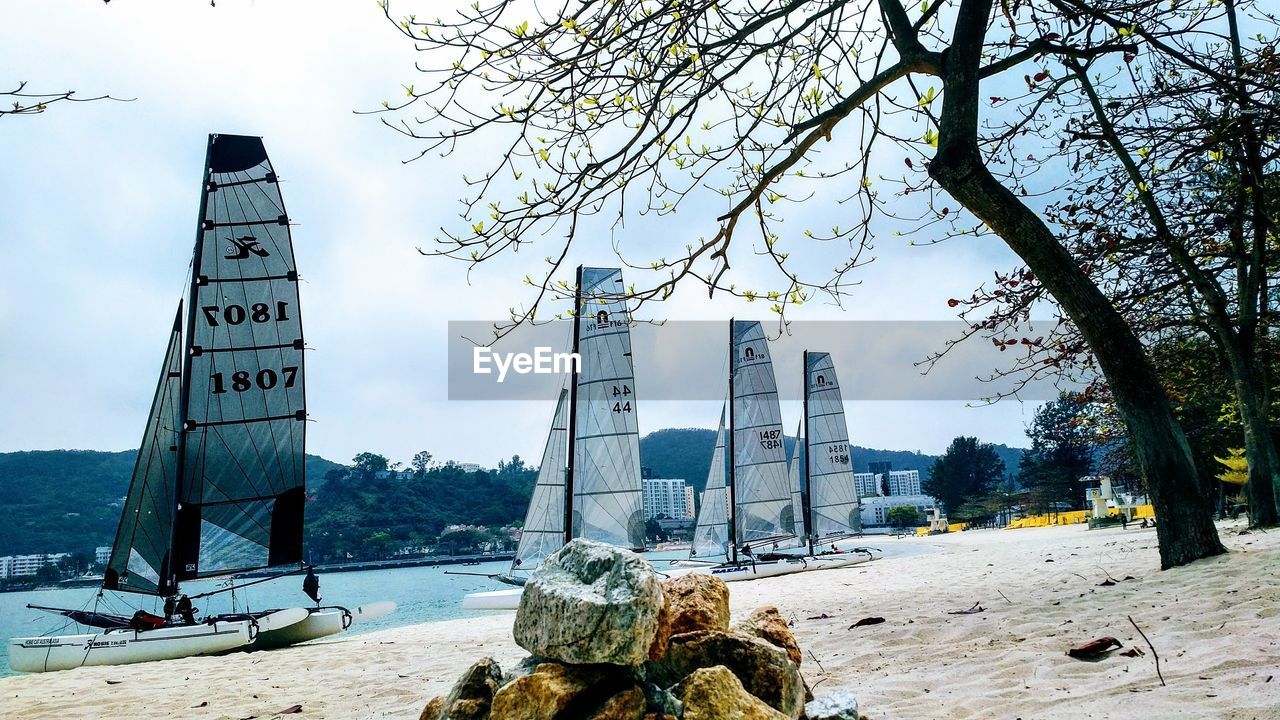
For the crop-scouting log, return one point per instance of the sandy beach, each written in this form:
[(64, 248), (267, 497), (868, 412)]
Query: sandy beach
[(1215, 625)]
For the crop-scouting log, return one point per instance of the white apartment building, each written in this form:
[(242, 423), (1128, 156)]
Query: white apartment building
[(22, 565), (875, 510), (102, 554), (867, 484), (903, 482), (667, 496)]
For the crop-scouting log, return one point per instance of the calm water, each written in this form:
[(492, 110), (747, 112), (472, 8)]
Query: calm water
[(421, 594)]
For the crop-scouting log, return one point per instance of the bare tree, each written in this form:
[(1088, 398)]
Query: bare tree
[(20, 101), (635, 106)]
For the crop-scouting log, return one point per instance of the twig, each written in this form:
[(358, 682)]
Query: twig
[(1005, 598), (815, 659), (1154, 654)]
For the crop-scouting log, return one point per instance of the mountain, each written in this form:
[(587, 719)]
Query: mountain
[(69, 500)]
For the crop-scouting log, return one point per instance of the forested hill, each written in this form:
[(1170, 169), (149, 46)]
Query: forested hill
[(69, 500), (686, 453)]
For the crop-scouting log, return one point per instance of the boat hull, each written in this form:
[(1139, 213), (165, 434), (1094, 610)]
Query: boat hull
[(319, 623), (122, 647)]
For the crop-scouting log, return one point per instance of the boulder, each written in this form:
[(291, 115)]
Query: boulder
[(767, 624), (471, 697), (555, 691), (662, 637), (590, 603), (715, 693), (698, 602), (838, 705), (626, 705), (764, 670), (544, 693)]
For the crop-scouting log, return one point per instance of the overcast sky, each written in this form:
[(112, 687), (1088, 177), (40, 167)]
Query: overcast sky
[(98, 204)]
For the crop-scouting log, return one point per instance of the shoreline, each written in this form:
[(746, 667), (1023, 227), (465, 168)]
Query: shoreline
[(1215, 624)]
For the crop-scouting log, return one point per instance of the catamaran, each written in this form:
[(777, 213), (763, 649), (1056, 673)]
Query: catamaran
[(218, 487), (589, 480), (758, 517)]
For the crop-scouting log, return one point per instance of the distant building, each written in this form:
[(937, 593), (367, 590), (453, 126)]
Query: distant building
[(903, 482), (866, 484), (875, 510), (880, 468), (667, 496), (469, 467), (689, 508), (102, 554), (22, 565)]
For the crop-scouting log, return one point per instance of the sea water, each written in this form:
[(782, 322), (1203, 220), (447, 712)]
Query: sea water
[(421, 594)]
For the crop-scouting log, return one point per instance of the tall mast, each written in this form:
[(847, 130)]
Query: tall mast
[(806, 503), (573, 411), (185, 392), (729, 472)]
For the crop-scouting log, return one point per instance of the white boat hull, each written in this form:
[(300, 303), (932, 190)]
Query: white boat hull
[(319, 623), (508, 599), (122, 647)]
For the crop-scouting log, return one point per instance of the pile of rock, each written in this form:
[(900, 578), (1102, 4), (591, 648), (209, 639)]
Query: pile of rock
[(610, 641)]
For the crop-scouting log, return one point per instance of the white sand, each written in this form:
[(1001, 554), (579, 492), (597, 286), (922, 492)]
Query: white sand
[(1214, 624)]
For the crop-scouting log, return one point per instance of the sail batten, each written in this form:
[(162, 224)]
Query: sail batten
[(140, 557), (241, 487), (835, 509), (764, 511), (607, 502), (711, 533), (543, 531)]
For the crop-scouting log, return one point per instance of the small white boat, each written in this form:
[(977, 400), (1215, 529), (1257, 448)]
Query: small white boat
[(319, 622), (122, 646)]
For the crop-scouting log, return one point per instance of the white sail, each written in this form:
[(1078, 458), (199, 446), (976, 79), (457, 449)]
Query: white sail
[(607, 492), (760, 488), (543, 531), (711, 535), (797, 491), (833, 495)]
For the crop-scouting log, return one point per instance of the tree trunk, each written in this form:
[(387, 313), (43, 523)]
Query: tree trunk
[(1259, 446), (1185, 530)]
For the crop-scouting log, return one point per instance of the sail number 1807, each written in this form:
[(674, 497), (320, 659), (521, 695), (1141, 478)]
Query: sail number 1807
[(242, 381)]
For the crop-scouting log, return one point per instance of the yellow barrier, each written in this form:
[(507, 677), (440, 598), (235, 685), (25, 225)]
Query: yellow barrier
[(1074, 517)]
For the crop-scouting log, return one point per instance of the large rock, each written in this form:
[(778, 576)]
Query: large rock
[(591, 603), (767, 624), (554, 691), (470, 698), (698, 602), (626, 705), (838, 705), (715, 693), (662, 637), (764, 670)]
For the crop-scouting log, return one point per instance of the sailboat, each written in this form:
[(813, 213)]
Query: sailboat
[(758, 518), (218, 487), (589, 479)]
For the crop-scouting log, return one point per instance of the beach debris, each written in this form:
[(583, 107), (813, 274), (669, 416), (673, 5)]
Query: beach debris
[(823, 616), (840, 704), (1095, 649), (1154, 654), (1134, 652), (591, 603), (716, 692), (977, 608), (764, 670), (698, 602), (767, 624), (471, 696), (867, 621)]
